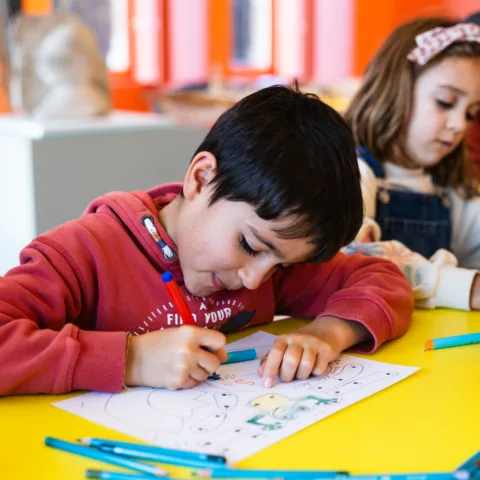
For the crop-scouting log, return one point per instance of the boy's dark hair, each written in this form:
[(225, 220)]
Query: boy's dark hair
[(288, 153)]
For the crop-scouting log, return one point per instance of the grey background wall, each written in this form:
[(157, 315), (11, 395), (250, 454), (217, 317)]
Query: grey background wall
[(50, 172)]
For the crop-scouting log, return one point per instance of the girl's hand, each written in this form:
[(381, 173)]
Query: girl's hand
[(309, 350), (174, 358), (475, 293)]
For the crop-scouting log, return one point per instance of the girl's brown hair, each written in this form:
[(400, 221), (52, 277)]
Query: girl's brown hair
[(380, 111)]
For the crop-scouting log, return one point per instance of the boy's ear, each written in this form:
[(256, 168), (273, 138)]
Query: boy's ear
[(199, 174)]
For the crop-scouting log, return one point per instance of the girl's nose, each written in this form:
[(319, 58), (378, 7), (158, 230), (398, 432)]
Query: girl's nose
[(458, 122)]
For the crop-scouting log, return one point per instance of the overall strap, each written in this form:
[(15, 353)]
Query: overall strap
[(366, 156)]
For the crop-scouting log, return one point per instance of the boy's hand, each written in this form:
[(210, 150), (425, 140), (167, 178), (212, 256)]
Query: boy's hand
[(309, 350), (174, 358)]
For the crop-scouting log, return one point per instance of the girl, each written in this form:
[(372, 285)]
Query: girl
[(419, 94)]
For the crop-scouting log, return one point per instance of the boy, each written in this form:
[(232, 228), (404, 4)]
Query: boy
[(274, 185)]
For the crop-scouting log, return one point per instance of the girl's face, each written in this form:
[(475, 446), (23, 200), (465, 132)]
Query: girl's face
[(446, 98)]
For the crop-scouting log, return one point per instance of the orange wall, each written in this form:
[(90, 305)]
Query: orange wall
[(463, 8), (218, 13), (375, 19), (37, 7), (4, 103)]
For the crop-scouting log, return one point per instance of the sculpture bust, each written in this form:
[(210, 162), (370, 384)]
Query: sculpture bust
[(56, 68)]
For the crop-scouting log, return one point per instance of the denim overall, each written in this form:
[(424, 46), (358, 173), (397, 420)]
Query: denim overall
[(421, 221)]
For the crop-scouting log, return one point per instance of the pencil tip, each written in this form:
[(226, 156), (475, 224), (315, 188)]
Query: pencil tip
[(84, 441), (429, 345), (93, 474)]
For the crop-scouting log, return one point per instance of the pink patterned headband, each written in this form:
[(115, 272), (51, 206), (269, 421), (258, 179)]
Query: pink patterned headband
[(434, 41)]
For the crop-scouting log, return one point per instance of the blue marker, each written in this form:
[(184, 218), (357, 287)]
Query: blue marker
[(241, 356), (105, 457), (455, 341)]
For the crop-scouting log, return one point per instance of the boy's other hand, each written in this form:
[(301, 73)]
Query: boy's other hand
[(309, 350), (174, 358)]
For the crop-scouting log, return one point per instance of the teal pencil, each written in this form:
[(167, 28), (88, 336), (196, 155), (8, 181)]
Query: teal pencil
[(287, 474), (472, 464), (205, 457), (458, 475), (455, 341), (240, 356), (133, 452), (104, 475), (105, 457)]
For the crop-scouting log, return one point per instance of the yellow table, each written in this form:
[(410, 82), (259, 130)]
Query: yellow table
[(428, 422)]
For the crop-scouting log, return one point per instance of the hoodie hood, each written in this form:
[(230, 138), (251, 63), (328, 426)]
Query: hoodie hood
[(138, 212)]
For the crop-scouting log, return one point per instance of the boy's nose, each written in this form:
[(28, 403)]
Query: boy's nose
[(252, 277)]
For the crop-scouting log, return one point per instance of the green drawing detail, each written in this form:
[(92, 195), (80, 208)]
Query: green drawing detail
[(275, 407)]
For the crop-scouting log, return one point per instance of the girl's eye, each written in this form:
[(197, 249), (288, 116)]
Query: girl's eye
[(444, 105), (244, 244), (472, 115)]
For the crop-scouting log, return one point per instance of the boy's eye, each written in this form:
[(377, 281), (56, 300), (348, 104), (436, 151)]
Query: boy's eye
[(444, 105), (244, 244)]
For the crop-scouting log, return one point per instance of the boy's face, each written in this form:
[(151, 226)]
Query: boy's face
[(227, 245), (224, 246)]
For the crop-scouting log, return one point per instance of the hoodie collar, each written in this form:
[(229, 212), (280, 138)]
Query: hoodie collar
[(138, 211)]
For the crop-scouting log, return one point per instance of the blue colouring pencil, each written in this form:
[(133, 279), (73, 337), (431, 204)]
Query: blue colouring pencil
[(456, 341), (132, 452), (458, 475), (241, 356), (100, 442), (270, 474), (471, 464), (104, 475), (105, 457)]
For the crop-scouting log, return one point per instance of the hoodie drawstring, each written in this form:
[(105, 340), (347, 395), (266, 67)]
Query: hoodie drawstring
[(168, 252)]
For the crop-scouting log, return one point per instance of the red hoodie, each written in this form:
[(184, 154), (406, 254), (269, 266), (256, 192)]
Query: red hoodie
[(65, 311)]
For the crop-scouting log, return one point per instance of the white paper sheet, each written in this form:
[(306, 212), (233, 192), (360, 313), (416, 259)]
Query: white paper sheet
[(235, 416)]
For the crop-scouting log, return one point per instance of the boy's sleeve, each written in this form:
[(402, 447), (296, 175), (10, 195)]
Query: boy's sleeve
[(367, 290), (41, 350)]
